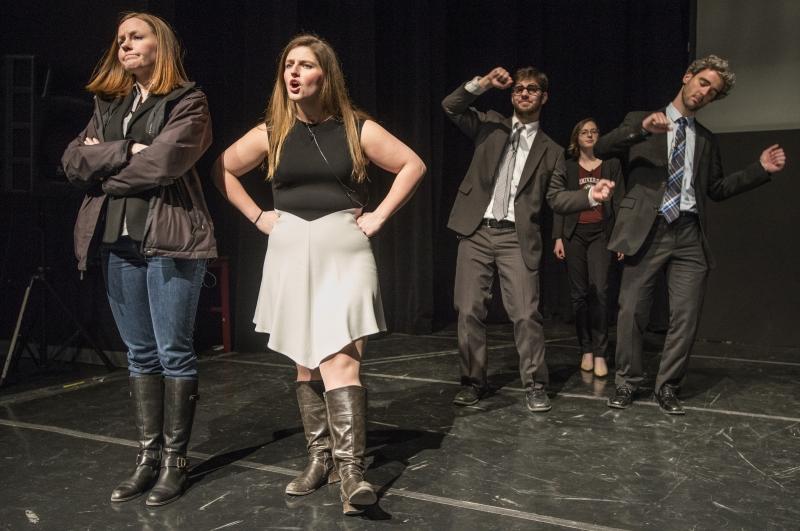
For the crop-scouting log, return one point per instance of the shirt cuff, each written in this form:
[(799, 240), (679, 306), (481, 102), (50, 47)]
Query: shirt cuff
[(592, 202), (473, 86)]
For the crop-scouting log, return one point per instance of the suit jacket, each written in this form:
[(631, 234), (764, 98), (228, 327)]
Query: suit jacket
[(647, 171), (564, 226), (490, 132)]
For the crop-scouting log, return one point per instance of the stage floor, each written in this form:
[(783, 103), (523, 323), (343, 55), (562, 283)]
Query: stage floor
[(732, 462)]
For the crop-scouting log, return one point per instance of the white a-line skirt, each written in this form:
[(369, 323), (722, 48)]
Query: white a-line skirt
[(319, 290)]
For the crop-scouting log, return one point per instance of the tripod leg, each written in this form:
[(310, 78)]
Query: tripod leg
[(97, 350), (66, 344), (13, 346)]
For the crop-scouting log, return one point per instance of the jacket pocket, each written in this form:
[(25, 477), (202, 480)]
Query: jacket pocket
[(465, 188), (185, 202), (627, 202)]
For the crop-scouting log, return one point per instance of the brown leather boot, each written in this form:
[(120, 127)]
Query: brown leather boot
[(320, 470), (180, 400), (147, 395), (347, 412)]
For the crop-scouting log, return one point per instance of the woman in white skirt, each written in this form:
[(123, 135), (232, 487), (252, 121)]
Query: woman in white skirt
[(319, 297)]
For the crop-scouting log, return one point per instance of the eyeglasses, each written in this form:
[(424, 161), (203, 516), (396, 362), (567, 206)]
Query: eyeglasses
[(587, 132), (532, 89)]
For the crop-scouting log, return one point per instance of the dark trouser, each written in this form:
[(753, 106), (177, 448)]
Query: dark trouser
[(479, 255), (587, 266), (154, 303), (677, 249)]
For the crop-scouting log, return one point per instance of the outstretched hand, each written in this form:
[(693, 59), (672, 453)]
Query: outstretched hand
[(498, 78), (602, 190), (773, 159)]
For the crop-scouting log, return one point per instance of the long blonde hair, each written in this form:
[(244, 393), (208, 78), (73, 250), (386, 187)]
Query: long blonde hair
[(111, 80), (281, 111)]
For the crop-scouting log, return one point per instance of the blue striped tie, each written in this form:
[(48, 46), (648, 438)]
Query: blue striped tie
[(671, 204)]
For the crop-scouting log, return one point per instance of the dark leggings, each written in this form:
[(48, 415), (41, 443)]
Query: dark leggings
[(587, 266)]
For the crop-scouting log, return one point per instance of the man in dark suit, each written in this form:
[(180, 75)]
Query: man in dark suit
[(496, 214), (673, 166)]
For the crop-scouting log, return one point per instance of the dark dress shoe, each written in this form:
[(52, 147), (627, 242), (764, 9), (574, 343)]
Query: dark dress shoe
[(623, 397), (668, 402), (537, 400), (469, 395)]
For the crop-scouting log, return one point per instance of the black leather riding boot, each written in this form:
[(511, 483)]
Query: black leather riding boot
[(180, 400), (147, 395)]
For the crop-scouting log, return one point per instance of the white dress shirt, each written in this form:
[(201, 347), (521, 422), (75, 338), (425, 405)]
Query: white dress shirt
[(526, 141), (688, 201)]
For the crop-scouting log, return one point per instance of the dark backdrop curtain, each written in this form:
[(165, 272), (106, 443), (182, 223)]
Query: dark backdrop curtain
[(603, 57), (400, 59)]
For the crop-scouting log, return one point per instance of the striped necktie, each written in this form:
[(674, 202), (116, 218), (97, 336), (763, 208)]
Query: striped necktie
[(502, 188), (671, 204)]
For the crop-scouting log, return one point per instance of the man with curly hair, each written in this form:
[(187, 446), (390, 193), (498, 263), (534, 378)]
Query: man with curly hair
[(674, 164)]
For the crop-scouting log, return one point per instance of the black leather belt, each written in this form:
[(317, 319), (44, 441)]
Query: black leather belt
[(684, 218), (494, 224)]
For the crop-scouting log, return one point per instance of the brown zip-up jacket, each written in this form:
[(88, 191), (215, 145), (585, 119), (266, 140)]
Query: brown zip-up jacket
[(178, 222)]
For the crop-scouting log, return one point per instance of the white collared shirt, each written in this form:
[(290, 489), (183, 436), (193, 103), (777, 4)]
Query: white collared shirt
[(688, 200), (473, 86), (526, 138)]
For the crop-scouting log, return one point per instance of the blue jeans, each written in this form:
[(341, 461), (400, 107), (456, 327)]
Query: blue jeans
[(154, 303)]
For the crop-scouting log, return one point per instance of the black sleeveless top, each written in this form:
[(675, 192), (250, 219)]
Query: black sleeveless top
[(303, 184)]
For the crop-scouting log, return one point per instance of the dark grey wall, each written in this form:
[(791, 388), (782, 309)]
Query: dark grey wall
[(753, 295)]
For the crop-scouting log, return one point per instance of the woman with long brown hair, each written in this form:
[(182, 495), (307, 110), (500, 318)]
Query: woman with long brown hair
[(581, 239), (319, 297), (144, 204)]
